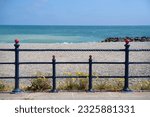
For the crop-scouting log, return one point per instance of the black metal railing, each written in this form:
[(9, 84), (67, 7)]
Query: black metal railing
[(90, 63)]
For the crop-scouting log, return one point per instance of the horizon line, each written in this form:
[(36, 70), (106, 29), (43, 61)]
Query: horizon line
[(68, 25)]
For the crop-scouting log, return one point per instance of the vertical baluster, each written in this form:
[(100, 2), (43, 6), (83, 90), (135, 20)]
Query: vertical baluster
[(90, 74), (54, 75), (126, 77), (16, 89)]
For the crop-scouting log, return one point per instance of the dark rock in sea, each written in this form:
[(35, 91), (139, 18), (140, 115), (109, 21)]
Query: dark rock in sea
[(122, 39)]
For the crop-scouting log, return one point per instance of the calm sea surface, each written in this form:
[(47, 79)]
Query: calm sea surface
[(68, 34)]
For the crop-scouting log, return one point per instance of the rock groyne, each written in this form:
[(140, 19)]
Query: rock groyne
[(121, 39)]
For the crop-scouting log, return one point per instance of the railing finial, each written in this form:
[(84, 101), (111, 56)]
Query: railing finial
[(53, 57), (127, 41), (90, 57), (16, 41)]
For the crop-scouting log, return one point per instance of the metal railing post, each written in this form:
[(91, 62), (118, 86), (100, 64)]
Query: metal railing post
[(126, 77), (90, 74), (54, 75), (16, 89)]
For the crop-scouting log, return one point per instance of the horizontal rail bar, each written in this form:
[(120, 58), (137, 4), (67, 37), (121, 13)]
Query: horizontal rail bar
[(136, 50), (139, 62), (25, 77), (30, 77), (6, 77), (71, 49), (75, 62), (88, 62), (108, 62), (139, 76), (71, 63), (7, 62), (108, 76), (64, 62), (72, 77), (7, 49), (75, 50), (86, 77), (35, 62)]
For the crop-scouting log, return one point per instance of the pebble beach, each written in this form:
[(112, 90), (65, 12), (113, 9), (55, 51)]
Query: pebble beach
[(8, 70), (118, 70)]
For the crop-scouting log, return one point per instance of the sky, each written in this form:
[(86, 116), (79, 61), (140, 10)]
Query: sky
[(74, 12)]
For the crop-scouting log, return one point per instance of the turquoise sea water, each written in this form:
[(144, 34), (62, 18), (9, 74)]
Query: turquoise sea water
[(68, 34)]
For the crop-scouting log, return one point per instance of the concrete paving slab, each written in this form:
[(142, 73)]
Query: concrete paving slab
[(76, 96)]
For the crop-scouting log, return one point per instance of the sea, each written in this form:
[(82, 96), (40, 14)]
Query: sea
[(67, 34)]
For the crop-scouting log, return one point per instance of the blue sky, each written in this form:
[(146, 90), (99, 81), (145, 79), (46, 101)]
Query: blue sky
[(74, 12)]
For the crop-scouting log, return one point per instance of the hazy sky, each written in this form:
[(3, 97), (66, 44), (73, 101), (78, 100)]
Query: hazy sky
[(75, 12)]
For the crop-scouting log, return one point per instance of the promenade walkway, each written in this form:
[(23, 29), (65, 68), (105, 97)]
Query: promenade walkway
[(76, 96)]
